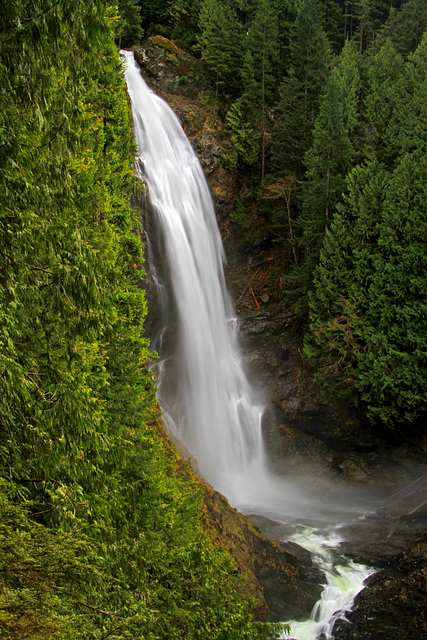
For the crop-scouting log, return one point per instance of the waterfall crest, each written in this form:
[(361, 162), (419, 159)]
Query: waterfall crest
[(203, 390)]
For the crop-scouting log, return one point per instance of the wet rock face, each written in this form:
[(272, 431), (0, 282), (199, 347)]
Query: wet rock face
[(164, 63), (171, 72), (393, 605), (282, 574)]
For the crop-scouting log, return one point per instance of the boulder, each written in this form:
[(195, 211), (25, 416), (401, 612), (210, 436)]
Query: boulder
[(393, 604)]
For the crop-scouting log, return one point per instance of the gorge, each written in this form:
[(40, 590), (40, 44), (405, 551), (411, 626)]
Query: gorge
[(207, 401)]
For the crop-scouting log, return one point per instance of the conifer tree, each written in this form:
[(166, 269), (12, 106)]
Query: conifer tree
[(327, 162), (220, 44), (298, 107), (241, 122), (130, 25), (367, 309), (384, 76), (263, 43), (337, 301)]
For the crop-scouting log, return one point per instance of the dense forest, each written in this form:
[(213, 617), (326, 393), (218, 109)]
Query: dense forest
[(324, 107), (102, 532)]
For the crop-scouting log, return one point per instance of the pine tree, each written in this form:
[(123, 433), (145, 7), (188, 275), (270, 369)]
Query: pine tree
[(241, 122), (405, 26), (130, 29), (408, 130), (391, 374), (327, 162), (342, 278), (310, 55), (367, 310)]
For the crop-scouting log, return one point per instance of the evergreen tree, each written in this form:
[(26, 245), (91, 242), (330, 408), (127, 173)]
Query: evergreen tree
[(130, 29), (241, 124), (327, 162), (405, 26), (367, 310), (300, 93), (184, 15), (220, 44), (391, 374), (264, 45), (383, 78), (310, 55), (102, 533), (365, 13), (407, 131), (342, 278)]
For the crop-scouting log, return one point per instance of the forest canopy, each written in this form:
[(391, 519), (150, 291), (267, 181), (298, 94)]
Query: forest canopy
[(324, 109)]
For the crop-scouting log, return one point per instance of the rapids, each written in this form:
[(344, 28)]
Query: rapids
[(203, 390)]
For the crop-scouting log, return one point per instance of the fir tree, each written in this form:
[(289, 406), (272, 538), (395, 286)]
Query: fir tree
[(381, 100), (264, 45), (241, 122), (220, 44)]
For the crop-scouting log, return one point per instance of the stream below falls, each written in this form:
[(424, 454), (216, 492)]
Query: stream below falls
[(203, 390)]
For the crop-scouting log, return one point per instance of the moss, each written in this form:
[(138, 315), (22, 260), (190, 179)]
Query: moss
[(164, 43)]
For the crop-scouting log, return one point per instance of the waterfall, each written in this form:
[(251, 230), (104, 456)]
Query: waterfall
[(203, 390), (206, 399)]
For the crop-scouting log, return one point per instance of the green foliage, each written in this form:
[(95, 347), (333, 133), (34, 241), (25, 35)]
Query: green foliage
[(242, 146), (300, 92), (184, 15), (405, 26), (381, 100), (130, 29), (102, 533), (329, 159), (367, 313), (220, 42)]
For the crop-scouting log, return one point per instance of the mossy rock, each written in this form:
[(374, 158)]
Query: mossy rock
[(164, 43)]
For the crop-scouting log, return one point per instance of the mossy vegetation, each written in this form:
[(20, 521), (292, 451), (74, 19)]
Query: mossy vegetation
[(102, 532)]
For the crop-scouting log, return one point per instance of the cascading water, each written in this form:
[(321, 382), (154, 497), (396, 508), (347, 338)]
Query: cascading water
[(212, 410), (205, 396)]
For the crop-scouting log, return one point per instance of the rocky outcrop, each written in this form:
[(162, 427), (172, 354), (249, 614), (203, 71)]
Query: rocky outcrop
[(393, 604), (283, 573)]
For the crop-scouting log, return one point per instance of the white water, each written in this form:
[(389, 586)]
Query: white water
[(343, 583), (206, 399)]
